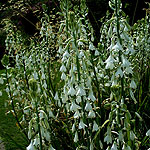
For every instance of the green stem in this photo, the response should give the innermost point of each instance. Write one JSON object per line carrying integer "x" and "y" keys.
{"x": 120, "y": 41}
{"x": 38, "y": 122}
{"x": 13, "y": 107}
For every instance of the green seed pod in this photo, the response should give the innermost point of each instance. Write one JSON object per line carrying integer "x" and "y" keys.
{"x": 33, "y": 85}
{"x": 5, "y": 60}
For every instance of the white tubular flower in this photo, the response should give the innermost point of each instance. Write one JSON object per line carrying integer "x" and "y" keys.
{"x": 117, "y": 47}
{"x": 63, "y": 68}
{"x": 73, "y": 127}
{"x": 91, "y": 96}
{"x": 63, "y": 76}
{"x": 78, "y": 100}
{"x": 114, "y": 146}
{"x": 96, "y": 53}
{"x": 76, "y": 137}
{"x": 56, "y": 96}
{"x": 66, "y": 54}
{"x": 77, "y": 114}
{"x": 128, "y": 70}
{"x": 110, "y": 62}
{"x": 31, "y": 146}
{"x": 125, "y": 62}
{"x": 133, "y": 84}
{"x": 88, "y": 106}
{"x": 91, "y": 114}
{"x": 91, "y": 46}
{"x": 119, "y": 72}
{"x": 74, "y": 107}
{"x": 81, "y": 92}
{"x": 71, "y": 91}
{"x": 95, "y": 126}
{"x": 82, "y": 125}
{"x": 36, "y": 141}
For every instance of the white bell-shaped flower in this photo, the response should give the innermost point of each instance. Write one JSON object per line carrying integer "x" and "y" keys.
{"x": 31, "y": 146}
{"x": 76, "y": 137}
{"x": 56, "y": 96}
{"x": 63, "y": 76}
{"x": 74, "y": 107}
{"x": 73, "y": 127}
{"x": 66, "y": 54}
{"x": 81, "y": 91}
{"x": 91, "y": 96}
{"x": 71, "y": 91}
{"x": 82, "y": 125}
{"x": 95, "y": 127}
{"x": 77, "y": 114}
{"x": 63, "y": 68}
{"x": 125, "y": 62}
{"x": 133, "y": 84}
{"x": 78, "y": 99}
{"x": 88, "y": 106}
{"x": 91, "y": 114}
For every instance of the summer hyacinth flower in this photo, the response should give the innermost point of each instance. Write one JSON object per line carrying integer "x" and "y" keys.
{"x": 74, "y": 107}
{"x": 76, "y": 137}
{"x": 71, "y": 91}
{"x": 82, "y": 125}
{"x": 88, "y": 106}
{"x": 31, "y": 146}
{"x": 77, "y": 114}
{"x": 110, "y": 62}
{"x": 95, "y": 126}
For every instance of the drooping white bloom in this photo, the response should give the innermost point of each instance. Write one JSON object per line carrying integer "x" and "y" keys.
{"x": 0, "y": 93}
{"x": 110, "y": 62}
{"x": 91, "y": 114}
{"x": 77, "y": 114}
{"x": 91, "y": 96}
{"x": 74, "y": 106}
{"x": 63, "y": 68}
{"x": 63, "y": 76}
{"x": 71, "y": 91}
{"x": 91, "y": 46}
{"x": 36, "y": 141}
{"x": 78, "y": 99}
{"x": 117, "y": 47}
{"x": 66, "y": 54}
{"x": 125, "y": 62}
{"x": 82, "y": 125}
{"x": 119, "y": 72}
{"x": 76, "y": 137}
{"x": 133, "y": 84}
{"x": 31, "y": 146}
{"x": 56, "y": 96}
{"x": 88, "y": 106}
{"x": 1, "y": 81}
{"x": 96, "y": 53}
{"x": 114, "y": 146}
{"x": 95, "y": 126}
{"x": 128, "y": 70}
{"x": 132, "y": 135}
{"x": 148, "y": 133}
{"x": 81, "y": 91}
{"x": 73, "y": 127}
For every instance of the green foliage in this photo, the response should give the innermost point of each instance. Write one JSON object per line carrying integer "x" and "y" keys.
{"x": 91, "y": 95}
